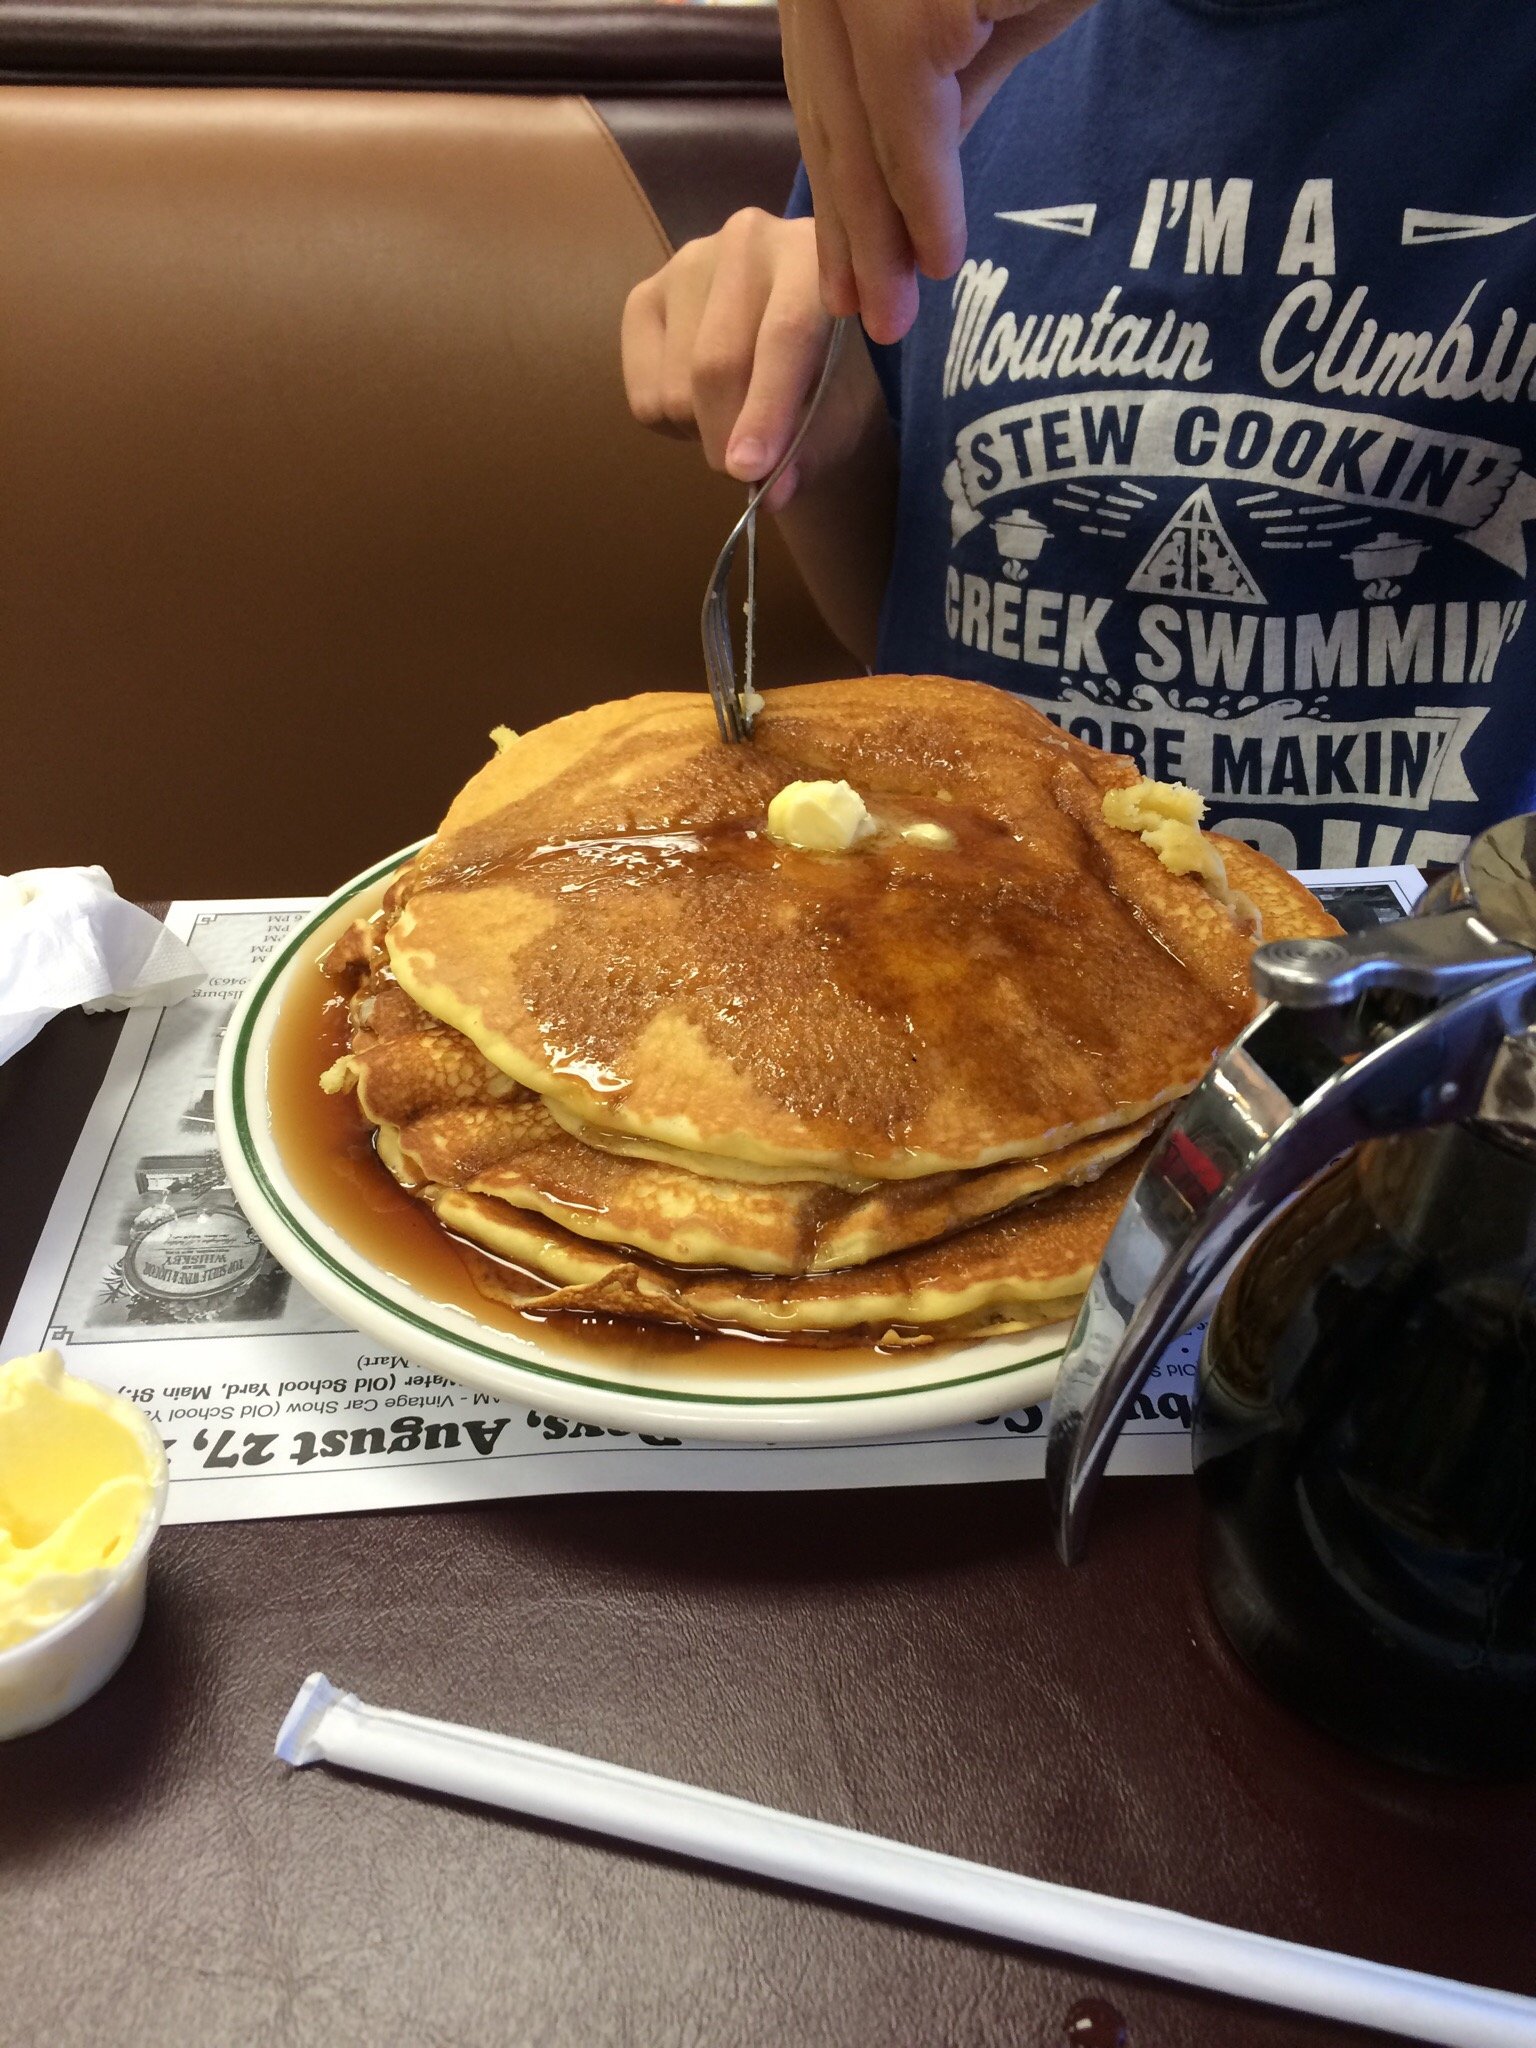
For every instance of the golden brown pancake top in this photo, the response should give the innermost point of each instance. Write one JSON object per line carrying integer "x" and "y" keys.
{"x": 604, "y": 915}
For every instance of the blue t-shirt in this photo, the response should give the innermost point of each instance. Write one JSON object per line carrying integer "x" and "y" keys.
{"x": 1221, "y": 447}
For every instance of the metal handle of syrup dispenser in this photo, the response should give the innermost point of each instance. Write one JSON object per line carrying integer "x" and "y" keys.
{"x": 1421, "y": 956}
{"x": 1311, "y": 1076}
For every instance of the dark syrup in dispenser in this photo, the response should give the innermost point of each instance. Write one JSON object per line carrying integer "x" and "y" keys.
{"x": 1366, "y": 1452}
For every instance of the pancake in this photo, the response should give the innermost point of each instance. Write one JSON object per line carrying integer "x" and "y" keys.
{"x": 643, "y": 1059}
{"x": 626, "y": 1146}
{"x": 454, "y": 1121}
{"x": 1284, "y": 908}
{"x": 799, "y": 1227}
{"x": 604, "y": 917}
{"x": 1013, "y": 1272}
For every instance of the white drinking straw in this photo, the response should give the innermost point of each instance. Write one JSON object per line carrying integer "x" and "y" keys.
{"x": 326, "y": 1726}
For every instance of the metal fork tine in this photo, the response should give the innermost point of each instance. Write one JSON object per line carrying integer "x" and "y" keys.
{"x": 731, "y": 714}
{"x": 717, "y": 664}
{"x": 749, "y": 649}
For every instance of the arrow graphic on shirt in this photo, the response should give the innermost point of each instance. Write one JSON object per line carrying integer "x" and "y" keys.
{"x": 1076, "y": 219}
{"x": 1421, "y": 227}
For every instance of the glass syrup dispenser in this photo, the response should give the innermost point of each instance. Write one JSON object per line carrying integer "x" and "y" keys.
{"x": 1365, "y": 1433}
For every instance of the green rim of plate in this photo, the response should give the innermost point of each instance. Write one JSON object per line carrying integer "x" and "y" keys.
{"x": 254, "y": 1006}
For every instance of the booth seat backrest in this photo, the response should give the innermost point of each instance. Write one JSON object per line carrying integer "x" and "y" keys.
{"x": 315, "y": 465}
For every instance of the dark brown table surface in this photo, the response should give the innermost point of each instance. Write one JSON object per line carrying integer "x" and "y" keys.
{"x": 915, "y": 1663}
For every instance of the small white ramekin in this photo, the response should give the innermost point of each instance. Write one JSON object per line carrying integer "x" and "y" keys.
{"x": 47, "y": 1676}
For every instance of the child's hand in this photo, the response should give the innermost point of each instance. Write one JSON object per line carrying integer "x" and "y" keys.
{"x": 726, "y": 342}
{"x": 884, "y": 91}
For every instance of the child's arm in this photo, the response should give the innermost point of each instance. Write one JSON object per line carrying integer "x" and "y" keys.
{"x": 726, "y": 342}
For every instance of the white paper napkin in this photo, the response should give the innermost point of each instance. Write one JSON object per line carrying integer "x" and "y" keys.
{"x": 67, "y": 937}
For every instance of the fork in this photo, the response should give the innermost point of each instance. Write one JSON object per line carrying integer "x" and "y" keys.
{"x": 735, "y": 705}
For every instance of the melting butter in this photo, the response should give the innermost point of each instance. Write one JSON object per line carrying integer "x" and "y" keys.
{"x": 1167, "y": 815}
{"x": 77, "y": 1476}
{"x": 819, "y": 817}
{"x": 925, "y": 834}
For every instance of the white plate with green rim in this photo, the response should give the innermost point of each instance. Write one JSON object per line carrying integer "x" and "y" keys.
{"x": 791, "y": 1396}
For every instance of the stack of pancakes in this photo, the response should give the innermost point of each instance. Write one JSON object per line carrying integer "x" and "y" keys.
{"x": 641, "y": 1059}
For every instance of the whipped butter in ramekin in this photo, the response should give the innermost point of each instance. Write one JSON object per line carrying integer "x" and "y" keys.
{"x": 82, "y": 1489}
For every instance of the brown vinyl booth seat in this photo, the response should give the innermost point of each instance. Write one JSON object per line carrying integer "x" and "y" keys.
{"x": 316, "y": 465}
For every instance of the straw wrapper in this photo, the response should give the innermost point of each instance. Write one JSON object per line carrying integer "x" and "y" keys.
{"x": 326, "y": 1726}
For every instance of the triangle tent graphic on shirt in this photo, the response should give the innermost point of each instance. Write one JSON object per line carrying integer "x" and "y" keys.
{"x": 1420, "y": 227}
{"x": 1194, "y": 557}
{"x": 1075, "y": 219}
